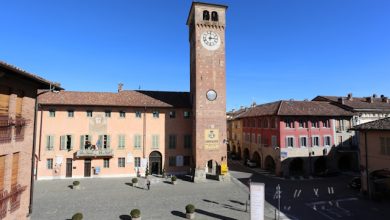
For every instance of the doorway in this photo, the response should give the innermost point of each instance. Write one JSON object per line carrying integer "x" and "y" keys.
{"x": 87, "y": 167}
{"x": 155, "y": 161}
{"x": 68, "y": 167}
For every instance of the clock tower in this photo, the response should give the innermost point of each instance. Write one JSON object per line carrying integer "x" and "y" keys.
{"x": 206, "y": 24}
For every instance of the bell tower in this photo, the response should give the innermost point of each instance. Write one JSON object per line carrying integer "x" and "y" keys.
{"x": 206, "y": 24}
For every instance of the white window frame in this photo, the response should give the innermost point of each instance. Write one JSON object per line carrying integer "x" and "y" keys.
{"x": 312, "y": 141}
{"x": 274, "y": 141}
{"x": 330, "y": 140}
{"x": 300, "y": 141}
{"x": 287, "y": 142}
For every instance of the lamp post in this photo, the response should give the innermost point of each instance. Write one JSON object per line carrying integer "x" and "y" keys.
{"x": 51, "y": 89}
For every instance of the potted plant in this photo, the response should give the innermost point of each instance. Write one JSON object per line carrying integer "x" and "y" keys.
{"x": 173, "y": 179}
{"x": 134, "y": 181}
{"x": 146, "y": 171}
{"x": 77, "y": 216}
{"x": 163, "y": 173}
{"x": 190, "y": 211}
{"x": 76, "y": 184}
{"x": 135, "y": 214}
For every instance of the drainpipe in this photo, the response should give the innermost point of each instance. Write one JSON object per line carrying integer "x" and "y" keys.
{"x": 30, "y": 208}
{"x": 367, "y": 174}
{"x": 144, "y": 134}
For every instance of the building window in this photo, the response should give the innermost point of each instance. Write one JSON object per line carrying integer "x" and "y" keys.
{"x": 52, "y": 113}
{"x": 259, "y": 139}
{"x": 325, "y": 124}
{"x": 137, "y": 141}
{"x": 385, "y": 146}
{"x": 89, "y": 113}
{"x": 121, "y": 162}
{"x": 290, "y": 141}
{"x": 314, "y": 124}
{"x": 289, "y": 123}
{"x": 85, "y": 141}
{"x": 155, "y": 141}
{"x": 49, "y": 164}
{"x": 265, "y": 123}
{"x": 121, "y": 141}
{"x": 66, "y": 142}
{"x": 107, "y": 114}
{"x": 340, "y": 125}
{"x": 186, "y": 160}
{"x": 302, "y": 124}
{"x": 106, "y": 163}
{"x": 172, "y": 161}
{"x": 206, "y": 15}
{"x": 273, "y": 123}
{"x": 214, "y": 16}
{"x": 122, "y": 114}
{"x": 303, "y": 141}
{"x": 138, "y": 114}
{"x": 156, "y": 114}
{"x": 70, "y": 113}
{"x": 316, "y": 141}
{"x": 259, "y": 124}
{"x": 187, "y": 114}
{"x": 104, "y": 141}
{"x": 172, "y": 114}
{"x": 253, "y": 138}
{"x": 274, "y": 142}
{"x": 49, "y": 142}
{"x": 327, "y": 141}
{"x": 172, "y": 141}
{"x": 137, "y": 161}
{"x": 187, "y": 141}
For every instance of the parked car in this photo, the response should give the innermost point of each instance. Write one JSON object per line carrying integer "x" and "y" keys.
{"x": 251, "y": 163}
{"x": 355, "y": 183}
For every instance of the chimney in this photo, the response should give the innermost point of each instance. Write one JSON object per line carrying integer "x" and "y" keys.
{"x": 370, "y": 99}
{"x": 253, "y": 104}
{"x": 341, "y": 100}
{"x": 349, "y": 96}
{"x": 382, "y": 96}
{"x": 120, "y": 86}
{"x": 374, "y": 95}
{"x": 385, "y": 99}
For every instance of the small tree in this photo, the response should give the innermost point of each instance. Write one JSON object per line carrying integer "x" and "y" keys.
{"x": 135, "y": 213}
{"x": 147, "y": 171}
{"x": 77, "y": 216}
{"x": 173, "y": 178}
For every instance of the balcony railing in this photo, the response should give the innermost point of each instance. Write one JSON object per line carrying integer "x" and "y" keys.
{"x": 104, "y": 152}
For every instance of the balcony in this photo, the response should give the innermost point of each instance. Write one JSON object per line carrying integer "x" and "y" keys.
{"x": 104, "y": 152}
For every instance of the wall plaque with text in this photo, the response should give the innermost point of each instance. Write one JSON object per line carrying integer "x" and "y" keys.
{"x": 211, "y": 139}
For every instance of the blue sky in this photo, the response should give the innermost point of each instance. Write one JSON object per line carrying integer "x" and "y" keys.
{"x": 275, "y": 49}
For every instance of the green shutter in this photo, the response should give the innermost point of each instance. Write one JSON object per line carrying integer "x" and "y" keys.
{"x": 108, "y": 141}
{"x": 62, "y": 142}
{"x": 51, "y": 142}
{"x": 47, "y": 142}
{"x": 71, "y": 142}
{"x": 82, "y": 142}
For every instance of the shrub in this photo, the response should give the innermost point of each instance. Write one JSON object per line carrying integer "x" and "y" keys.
{"x": 190, "y": 208}
{"x": 77, "y": 216}
{"x": 135, "y": 213}
{"x": 76, "y": 183}
{"x": 173, "y": 178}
{"x": 134, "y": 180}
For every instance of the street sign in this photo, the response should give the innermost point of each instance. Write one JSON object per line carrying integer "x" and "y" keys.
{"x": 257, "y": 200}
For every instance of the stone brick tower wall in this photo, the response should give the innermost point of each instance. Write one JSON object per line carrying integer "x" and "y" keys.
{"x": 207, "y": 69}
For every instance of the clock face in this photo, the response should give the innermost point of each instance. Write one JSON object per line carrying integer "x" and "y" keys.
{"x": 210, "y": 40}
{"x": 211, "y": 95}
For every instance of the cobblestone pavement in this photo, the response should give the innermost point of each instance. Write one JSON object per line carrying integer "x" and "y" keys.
{"x": 113, "y": 198}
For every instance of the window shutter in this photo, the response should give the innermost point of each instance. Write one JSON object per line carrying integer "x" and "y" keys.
{"x": 100, "y": 141}
{"x": 15, "y": 170}
{"x": 124, "y": 140}
{"x": 2, "y": 171}
{"x": 19, "y": 102}
{"x": 47, "y": 142}
{"x": 119, "y": 141}
{"x": 82, "y": 142}
{"x": 4, "y": 100}
{"x": 71, "y": 141}
{"x": 51, "y": 142}
{"x": 286, "y": 140}
{"x": 108, "y": 141}
{"x": 62, "y": 142}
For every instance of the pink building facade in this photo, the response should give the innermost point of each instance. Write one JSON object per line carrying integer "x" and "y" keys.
{"x": 293, "y": 137}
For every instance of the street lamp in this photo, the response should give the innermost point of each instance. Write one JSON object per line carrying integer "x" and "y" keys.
{"x": 51, "y": 89}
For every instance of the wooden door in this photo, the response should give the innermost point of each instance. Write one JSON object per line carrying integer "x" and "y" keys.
{"x": 68, "y": 167}
{"x": 87, "y": 167}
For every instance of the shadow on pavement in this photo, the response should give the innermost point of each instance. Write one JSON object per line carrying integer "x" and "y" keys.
{"x": 206, "y": 200}
{"x": 210, "y": 214}
{"x": 179, "y": 214}
{"x": 237, "y": 202}
{"x": 124, "y": 217}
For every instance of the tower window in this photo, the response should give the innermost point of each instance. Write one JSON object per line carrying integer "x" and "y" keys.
{"x": 214, "y": 16}
{"x": 206, "y": 15}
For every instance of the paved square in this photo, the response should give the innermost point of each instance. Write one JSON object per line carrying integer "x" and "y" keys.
{"x": 113, "y": 198}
